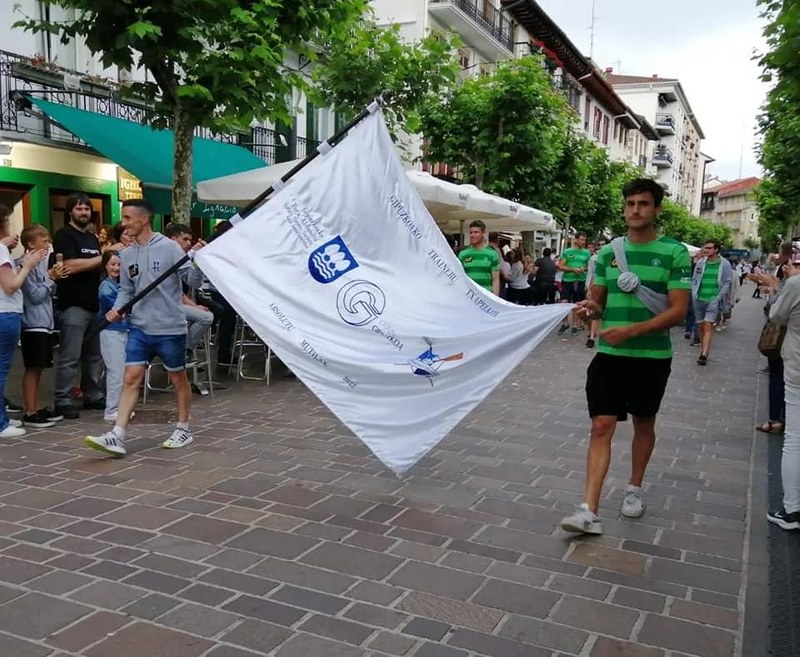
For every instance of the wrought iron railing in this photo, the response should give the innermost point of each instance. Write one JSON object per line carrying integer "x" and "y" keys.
{"x": 488, "y": 17}
{"x": 306, "y": 146}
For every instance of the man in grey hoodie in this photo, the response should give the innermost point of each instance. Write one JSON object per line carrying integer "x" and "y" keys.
{"x": 711, "y": 288}
{"x": 157, "y": 323}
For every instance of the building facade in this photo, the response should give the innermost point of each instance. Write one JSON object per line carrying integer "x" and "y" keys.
{"x": 732, "y": 204}
{"x": 676, "y": 156}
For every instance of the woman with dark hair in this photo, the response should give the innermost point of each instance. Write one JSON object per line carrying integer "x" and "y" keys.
{"x": 11, "y": 280}
{"x": 105, "y": 235}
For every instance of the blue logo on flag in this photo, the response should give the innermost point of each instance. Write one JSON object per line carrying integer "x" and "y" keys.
{"x": 330, "y": 261}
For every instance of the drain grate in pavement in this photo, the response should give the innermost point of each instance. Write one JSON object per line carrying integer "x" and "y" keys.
{"x": 784, "y": 571}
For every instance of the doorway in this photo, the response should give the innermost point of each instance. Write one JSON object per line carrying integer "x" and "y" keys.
{"x": 18, "y": 200}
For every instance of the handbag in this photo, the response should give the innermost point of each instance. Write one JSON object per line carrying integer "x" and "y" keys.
{"x": 771, "y": 339}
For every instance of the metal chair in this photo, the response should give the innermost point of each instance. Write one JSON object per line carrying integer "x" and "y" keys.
{"x": 247, "y": 344}
{"x": 204, "y": 385}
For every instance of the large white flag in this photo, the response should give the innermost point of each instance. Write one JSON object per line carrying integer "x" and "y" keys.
{"x": 346, "y": 276}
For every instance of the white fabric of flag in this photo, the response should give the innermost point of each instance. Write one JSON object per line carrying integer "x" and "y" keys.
{"x": 346, "y": 276}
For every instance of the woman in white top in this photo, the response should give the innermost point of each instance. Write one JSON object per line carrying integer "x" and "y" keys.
{"x": 11, "y": 279}
{"x": 786, "y": 310}
{"x": 518, "y": 287}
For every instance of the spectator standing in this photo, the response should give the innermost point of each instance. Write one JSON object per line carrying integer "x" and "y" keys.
{"x": 545, "y": 269}
{"x": 37, "y": 326}
{"x": 711, "y": 287}
{"x": 113, "y": 337}
{"x": 573, "y": 263}
{"x": 157, "y": 324}
{"x": 79, "y": 339}
{"x": 480, "y": 261}
{"x": 518, "y": 287}
{"x": 12, "y": 278}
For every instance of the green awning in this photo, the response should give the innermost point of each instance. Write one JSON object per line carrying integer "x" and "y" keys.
{"x": 144, "y": 152}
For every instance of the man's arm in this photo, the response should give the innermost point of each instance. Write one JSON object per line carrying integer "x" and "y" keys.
{"x": 674, "y": 315}
{"x": 66, "y": 246}
{"x": 496, "y": 282}
{"x": 79, "y": 265}
{"x": 725, "y": 288}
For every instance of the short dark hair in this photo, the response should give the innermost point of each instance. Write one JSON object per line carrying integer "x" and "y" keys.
{"x": 580, "y": 233}
{"x": 142, "y": 204}
{"x": 477, "y": 223}
{"x": 175, "y": 229}
{"x": 79, "y": 198}
{"x": 644, "y": 186}
{"x": 4, "y": 214}
{"x": 29, "y": 233}
{"x": 116, "y": 231}
{"x": 715, "y": 243}
{"x": 546, "y": 253}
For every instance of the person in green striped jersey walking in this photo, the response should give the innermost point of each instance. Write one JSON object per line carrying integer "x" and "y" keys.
{"x": 573, "y": 263}
{"x": 480, "y": 261}
{"x": 630, "y": 372}
{"x": 711, "y": 290}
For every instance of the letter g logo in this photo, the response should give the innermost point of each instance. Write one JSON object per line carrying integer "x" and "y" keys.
{"x": 360, "y": 302}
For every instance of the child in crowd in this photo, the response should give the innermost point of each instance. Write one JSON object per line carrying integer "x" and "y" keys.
{"x": 37, "y": 326}
{"x": 114, "y": 337}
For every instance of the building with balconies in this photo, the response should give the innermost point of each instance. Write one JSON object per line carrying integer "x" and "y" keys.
{"x": 600, "y": 113}
{"x": 732, "y": 204}
{"x": 680, "y": 166}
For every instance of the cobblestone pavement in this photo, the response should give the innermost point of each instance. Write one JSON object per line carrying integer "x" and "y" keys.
{"x": 277, "y": 533}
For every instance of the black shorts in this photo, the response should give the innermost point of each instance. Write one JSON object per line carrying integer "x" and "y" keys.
{"x": 37, "y": 350}
{"x": 573, "y": 291}
{"x": 618, "y": 385}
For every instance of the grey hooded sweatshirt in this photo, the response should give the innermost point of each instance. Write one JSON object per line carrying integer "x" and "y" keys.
{"x": 161, "y": 311}
{"x": 37, "y": 295}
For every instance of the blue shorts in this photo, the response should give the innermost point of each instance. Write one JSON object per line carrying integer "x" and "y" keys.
{"x": 142, "y": 348}
{"x": 707, "y": 311}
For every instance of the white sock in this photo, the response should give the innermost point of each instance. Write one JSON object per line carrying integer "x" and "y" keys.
{"x": 183, "y": 426}
{"x": 119, "y": 432}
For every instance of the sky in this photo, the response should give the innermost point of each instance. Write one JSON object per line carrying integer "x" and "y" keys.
{"x": 707, "y": 44}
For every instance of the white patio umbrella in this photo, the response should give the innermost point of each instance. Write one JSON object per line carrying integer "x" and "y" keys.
{"x": 449, "y": 204}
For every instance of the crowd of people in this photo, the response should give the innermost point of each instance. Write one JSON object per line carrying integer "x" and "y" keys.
{"x": 75, "y": 288}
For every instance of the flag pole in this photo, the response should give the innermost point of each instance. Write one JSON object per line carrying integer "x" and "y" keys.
{"x": 251, "y": 207}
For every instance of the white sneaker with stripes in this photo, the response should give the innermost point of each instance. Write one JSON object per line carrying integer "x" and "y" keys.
{"x": 179, "y": 438}
{"x": 109, "y": 443}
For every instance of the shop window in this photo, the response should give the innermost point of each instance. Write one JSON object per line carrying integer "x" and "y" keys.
{"x": 606, "y": 128}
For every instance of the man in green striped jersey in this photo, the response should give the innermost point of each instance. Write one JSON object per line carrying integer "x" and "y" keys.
{"x": 573, "y": 263}
{"x": 480, "y": 261}
{"x": 629, "y": 374}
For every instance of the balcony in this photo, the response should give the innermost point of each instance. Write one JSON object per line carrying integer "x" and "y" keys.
{"x": 665, "y": 123}
{"x": 480, "y": 25}
{"x": 662, "y": 157}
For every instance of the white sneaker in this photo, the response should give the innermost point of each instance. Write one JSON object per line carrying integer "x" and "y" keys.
{"x": 583, "y": 521}
{"x": 14, "y": 423}
{"x": 12, "y": 431}
{"x": 109, "y": 443}
{"x": 112, "y": 417}
{"x": 632, "y": 505}
{"x": 179, "y": 438}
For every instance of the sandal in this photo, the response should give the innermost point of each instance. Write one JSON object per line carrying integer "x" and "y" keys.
{"x": 770, "y": 427}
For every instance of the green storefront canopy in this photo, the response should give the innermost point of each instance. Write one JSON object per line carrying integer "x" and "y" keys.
{"x": 144, "y": 152}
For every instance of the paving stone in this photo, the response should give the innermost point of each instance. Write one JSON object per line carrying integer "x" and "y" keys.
{"x": 306, "y": 599}
{"x": 437, "y": 580}
{"x": 521, "y": 542}
{"x": 36, "y": 616}
{"x": 605, "y": 647}
{"x": 125, "y": 536}
{"x": 337, "y": 629}
{"x": 438, "y": 650}
{"x": 373, "y": 615}
{"x": 639, "y": 600}
{"x": 207, "y": 595}
{"x": 469, "y": 562}
{"x": 696, "y": 576}
{"x": 426, "y": 629}
{"x": 238, "y": 582}
{"x": 595, "y": 616}
{"x": 15, "y": 571}
{"x": 144, "y": 639}
{"x": 543, "y": 633}
{"x": 485, "y": 551}
{"x": 34, "y": 498}
{"x": 86, "y": 507}
{"x": 305, "y": 645}
{"x": 234, "y": 559}
{"x": 301, "y": 575}
{"x": 353, "y": 561}
{"x": 393, "y": 644}
{"x": 688, "y": 637}
{"x": 516, "y": 598}
{"x": 40, "y": 536}
{"x": 149, "y": 579}
{"x": 382, "y": 513}
{"x": 493, "y": 646}
{"x": 436, "y": 524}
{"x": 109, "y": 570}
{"x": 578, "y": 586}
{"x": 589, "y": 554}
{"x": 453, "y": 612}
{"x": 705, "y": 614}
{"x": 380, "y": 594}
{"x": 7, "y": 593}
{"x": 88, "y": 630}
{"x": 273, "y": 544}
{"x": 150, "y": 606}
{"x": 196, "y": 619}
{"x": 182, "y": 548}
{"x": 13, "y": 647}
{"x": 230, "y": 651}
{"x": 59, "y": 582}
{"x": 208, "y": 530}
{"x": 120, "y": 553}
{"x": 266, "y": 610}
{"x": 169, "y": 565}
{"x": 258, "y": 636}
{"x": 109, "y": 595}
{"x": 141, "y": 516}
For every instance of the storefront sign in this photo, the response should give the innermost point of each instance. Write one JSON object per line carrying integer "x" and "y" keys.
{"x": 128, "y": 186}
{"x": 212, "y": 210}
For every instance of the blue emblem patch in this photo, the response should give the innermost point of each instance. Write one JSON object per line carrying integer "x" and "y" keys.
{"x": 328, "y": 262}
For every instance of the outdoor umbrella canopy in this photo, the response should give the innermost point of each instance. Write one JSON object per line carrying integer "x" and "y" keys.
{"x": 448, "y": 203}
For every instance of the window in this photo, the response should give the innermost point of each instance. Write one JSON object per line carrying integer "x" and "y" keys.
{"x": 463, "y": 59}
{"x": 588, "y": 115}
{"x": 312, "y": 121}
{"x": 606, "y": 129}
{"x": 598, "y": 121}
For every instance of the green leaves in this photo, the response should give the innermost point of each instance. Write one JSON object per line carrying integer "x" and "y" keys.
{"x": 144, "y": 30}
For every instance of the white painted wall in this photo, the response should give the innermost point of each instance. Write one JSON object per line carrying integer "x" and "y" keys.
{"x": 56, "y": 160}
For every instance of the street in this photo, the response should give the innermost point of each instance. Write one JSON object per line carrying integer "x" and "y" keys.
{"x": 278, "y": 533}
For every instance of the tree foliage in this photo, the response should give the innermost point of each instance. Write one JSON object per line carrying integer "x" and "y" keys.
{"x": 678, "y": 223}
{"x": 358, "y": 65}
{"x": 778, "y": 197}
{"x": 214, "y": 63}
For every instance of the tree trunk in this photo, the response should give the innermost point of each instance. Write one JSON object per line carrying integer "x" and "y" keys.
{"x": 529, "y": 242}
{"x": 182, "y": 167}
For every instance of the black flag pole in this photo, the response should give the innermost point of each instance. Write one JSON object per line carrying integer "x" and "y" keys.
{"x": 261, "y": 198}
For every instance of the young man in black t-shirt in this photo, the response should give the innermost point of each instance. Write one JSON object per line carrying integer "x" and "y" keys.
{"x": 79, "y": 340}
